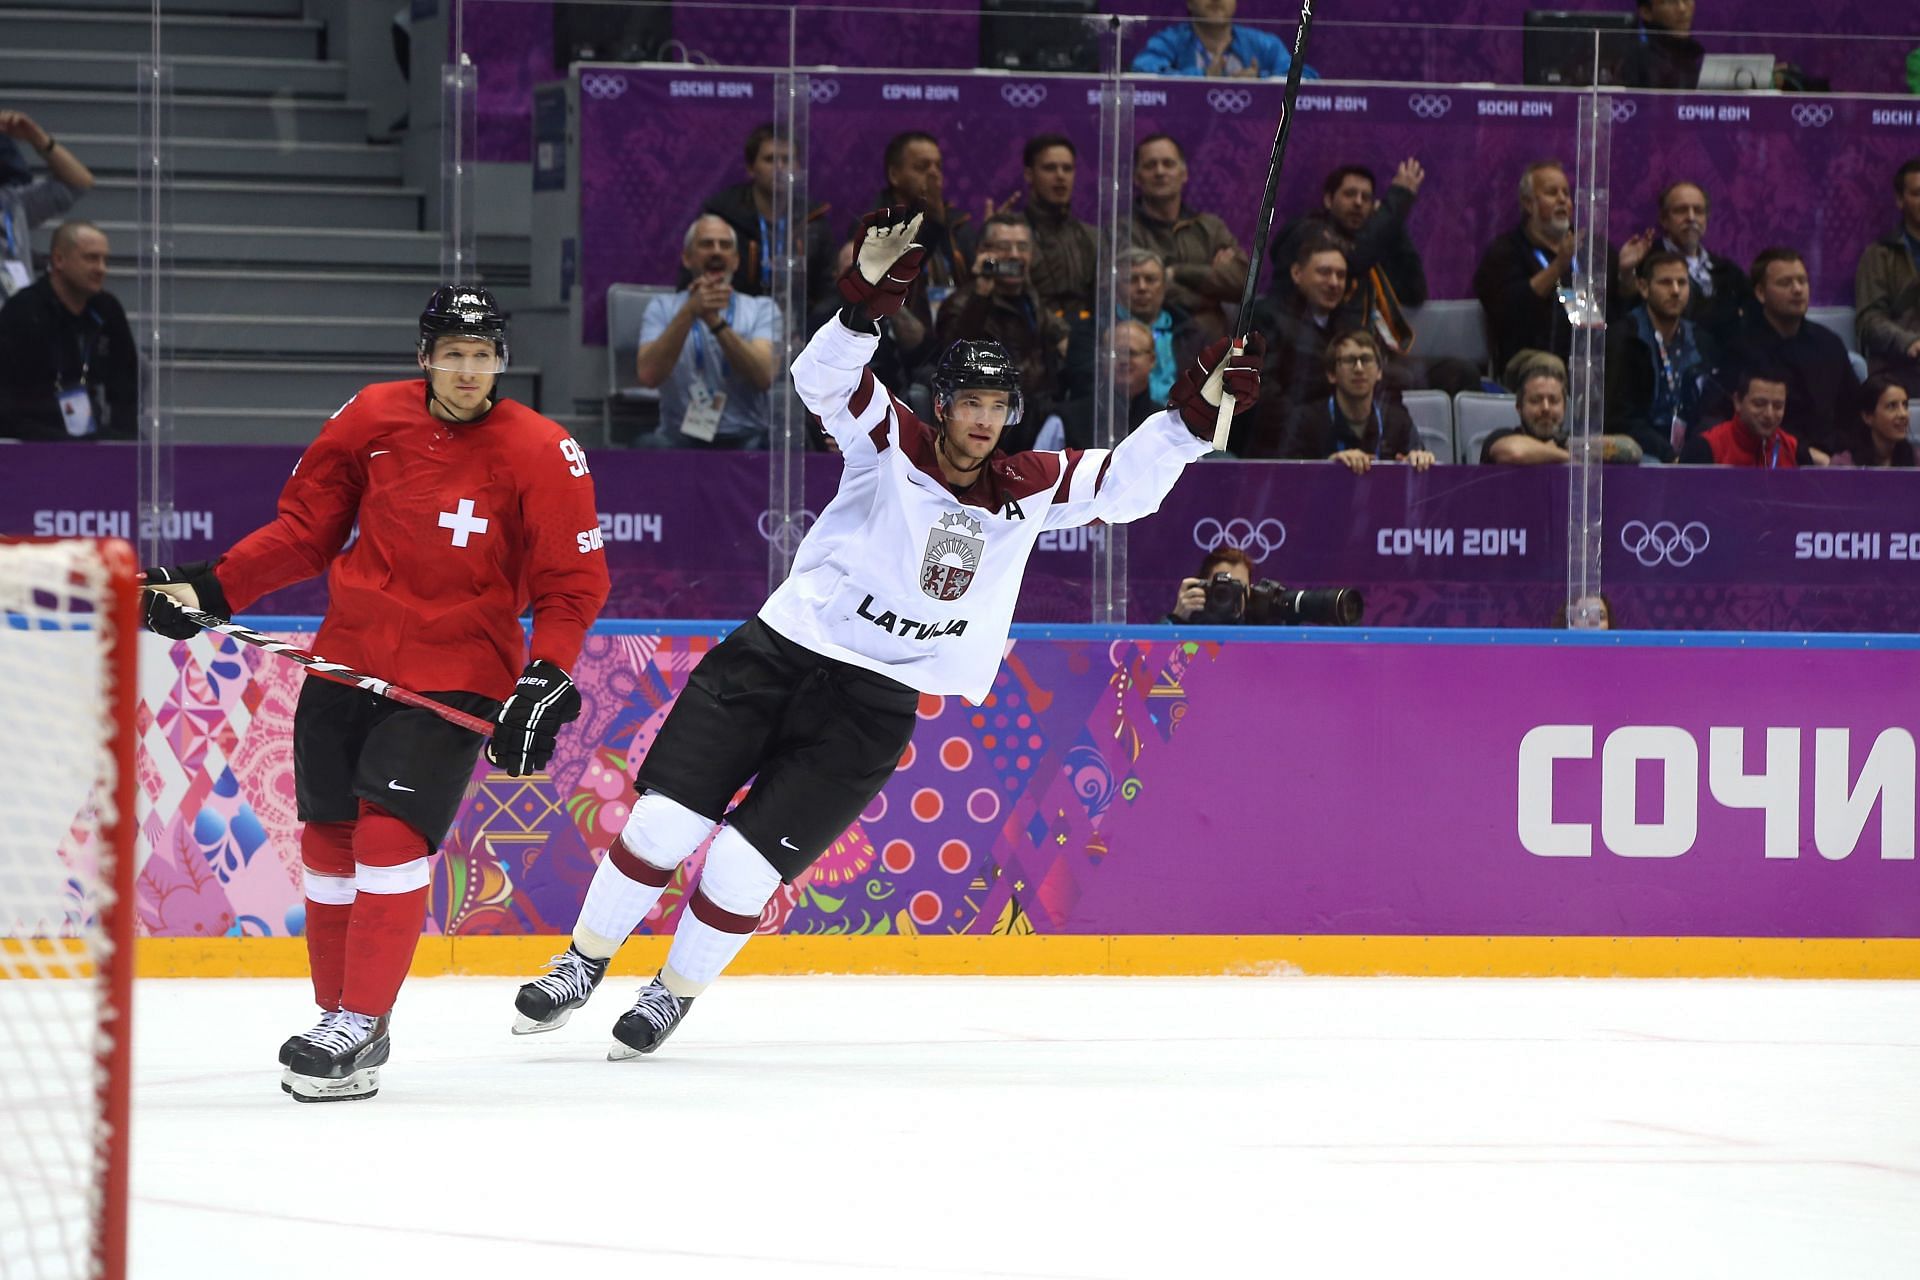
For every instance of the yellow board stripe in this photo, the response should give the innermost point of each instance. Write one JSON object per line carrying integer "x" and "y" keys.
{"x": 1129, "y": 955}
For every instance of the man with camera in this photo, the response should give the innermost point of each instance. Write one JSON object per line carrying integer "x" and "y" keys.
{"x": 1225, "y": 594}
{"x": 1000, "y": 305}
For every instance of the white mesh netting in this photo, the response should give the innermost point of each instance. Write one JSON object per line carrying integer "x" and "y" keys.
{"x": 56, "y": 877}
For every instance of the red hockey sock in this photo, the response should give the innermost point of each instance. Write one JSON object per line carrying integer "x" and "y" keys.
{"x": 393, "y": 872}
{"x": 326, "y": 856}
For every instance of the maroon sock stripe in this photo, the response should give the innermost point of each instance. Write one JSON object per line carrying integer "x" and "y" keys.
{"x": 634, "y": 867}
{"x": 718, "y": 918}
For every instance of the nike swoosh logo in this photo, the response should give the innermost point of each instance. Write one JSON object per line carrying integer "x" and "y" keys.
{"x": 376, "y": 453}
{"x": 788, "y": 844}
{"x": 395, "y": 786}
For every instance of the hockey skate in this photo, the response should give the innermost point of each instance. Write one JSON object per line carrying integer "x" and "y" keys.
{"x": 296, "y": 1043}
{"x": 341, "y": 1063}
{"x": 548, "y": 1001}
{"x": 646, "y": 1026}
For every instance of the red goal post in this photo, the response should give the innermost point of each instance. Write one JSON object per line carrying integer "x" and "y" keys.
{"x": 69, "y": 631}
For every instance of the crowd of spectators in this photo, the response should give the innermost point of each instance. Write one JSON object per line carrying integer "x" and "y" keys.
{"x": 1686, "y": 326}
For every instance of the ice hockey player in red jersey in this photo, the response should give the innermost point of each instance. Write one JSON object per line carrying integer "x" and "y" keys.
{"x": 469, "y": 509}
{"x": 905, "y": 585}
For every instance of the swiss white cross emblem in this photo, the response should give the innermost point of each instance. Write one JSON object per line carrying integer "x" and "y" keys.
{"x": 463, "y": 522}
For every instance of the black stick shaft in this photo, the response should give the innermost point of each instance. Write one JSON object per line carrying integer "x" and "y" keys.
{"x": 1259, "y": 247}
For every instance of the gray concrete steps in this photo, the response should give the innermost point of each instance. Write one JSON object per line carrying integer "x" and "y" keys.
{"x": 283, "y": 119}
{"x": 205, "y": 291}
{"x": 315, "y": 388}
{"x": 53, "y": 26}
{"x": 311, "y": 337}
{"x": 277, "y": 248}
{"x": 116, "y": 72}
{"x": 225, "y": 158}
{"x": 219, "y": 8}
{"x": 198, "y": 202}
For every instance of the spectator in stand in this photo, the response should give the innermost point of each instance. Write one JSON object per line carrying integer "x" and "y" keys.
{"x": 68, "y": 366}
{"x": 1190, "y": 603}
{"x": 1520, "y": 272}
{"x": 1754, "y": 436}
{"x": 1541, "y": 437}
{"x": 1657, "y": 363}
{"x": 1206, "y": 266}
{"x": 1175, "y": 339}
{"x": 1880, "y": 439}
{"x": 1664, "y": 54}
{"x": 27, "y": 201}
{"x": 709, "y": 349}
{"x": 1386, "y": 266}
{"x": 1820, "y": 381}
{"x": 1133, "y": 371}
{"x": 1208, "y": 44}
{"x": 1355, "y": 427}
{"x": 757, "y": 225}
{"x": 1000, "y": 304}
{"x": 916, "y": 173}
{"x": 1298, "y": 329}
{"x": 1886, "y": 287}
{"x": 1720, "y": 291}
{"x": 1063, "y": 245}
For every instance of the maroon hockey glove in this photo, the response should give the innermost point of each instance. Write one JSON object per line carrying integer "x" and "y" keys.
{"x": 885, "y": 261}
{"x": 1196, "y": 396}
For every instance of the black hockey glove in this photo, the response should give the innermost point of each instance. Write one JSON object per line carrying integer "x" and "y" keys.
{"x": 160, "y": 610}
{"x": 543, "y": 701}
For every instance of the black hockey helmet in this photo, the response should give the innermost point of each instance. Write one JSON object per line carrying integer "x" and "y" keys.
{"x": 463, "y": 311}
{"x": 977, "y": 364}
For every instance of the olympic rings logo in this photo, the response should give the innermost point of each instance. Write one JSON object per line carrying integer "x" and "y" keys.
{"x": 1664, "y": 541}
{"x": 603, "y": 87}
{"x": 1622, "y": 109}
{"x": 1229, "y": 101}
{"x": 1812, "y": 115}
{"x": 802, "y": 521}
{"x": 823, "y": 90}
{"x": 1429, "y": 106}
{"x": 1023, "y": 95}
{"x": 1258, "y": 539}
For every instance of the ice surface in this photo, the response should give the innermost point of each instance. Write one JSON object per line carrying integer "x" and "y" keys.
{"x": 847, "y": 1127}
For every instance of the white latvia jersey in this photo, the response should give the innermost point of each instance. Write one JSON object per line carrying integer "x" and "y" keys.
{"x": 905, "y": 578}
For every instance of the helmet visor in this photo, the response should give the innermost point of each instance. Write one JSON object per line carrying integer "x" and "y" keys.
{"x": 469, "y": 356}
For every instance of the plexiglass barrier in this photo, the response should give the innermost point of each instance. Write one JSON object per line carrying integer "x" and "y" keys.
{"x": 277, "y": 220}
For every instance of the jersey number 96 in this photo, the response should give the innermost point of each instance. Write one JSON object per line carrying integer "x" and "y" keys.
{"x": 576, "y": 457}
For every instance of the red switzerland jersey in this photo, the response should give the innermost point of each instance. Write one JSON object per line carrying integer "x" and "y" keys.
{"x": 461, "y": 528}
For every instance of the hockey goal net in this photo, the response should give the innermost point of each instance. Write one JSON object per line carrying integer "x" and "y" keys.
{"x": 68, "y": 622}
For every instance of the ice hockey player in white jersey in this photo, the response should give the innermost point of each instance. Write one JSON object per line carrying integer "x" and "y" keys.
{"x": 905, "y": 585}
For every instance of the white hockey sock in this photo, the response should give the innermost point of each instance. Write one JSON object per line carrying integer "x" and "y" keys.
{"x": 660, "y": 835}
{"x": 720, "y": 916}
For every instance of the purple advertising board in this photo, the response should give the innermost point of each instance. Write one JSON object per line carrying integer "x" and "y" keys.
{"x": 1393, "y": 41}
{"x": 1121, "y": 783}
{"x": 687, "y": 536}
{"x": 1808, "y": 172}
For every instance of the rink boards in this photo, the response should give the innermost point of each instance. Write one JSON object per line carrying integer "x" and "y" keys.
{"x": 1146, "y": 801}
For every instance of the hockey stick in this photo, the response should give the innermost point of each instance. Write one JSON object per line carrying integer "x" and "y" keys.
{"x": 335, "y": 672}
{"x": 1223, "y": 424}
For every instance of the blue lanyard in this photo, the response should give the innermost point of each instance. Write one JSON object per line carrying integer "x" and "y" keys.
{"x": 766, "y": 250}
{"x": 700, "y": 340}
{"x": 6, "y": 219}
{"x": 1540, "y": 256}
{"x": 1773, "y": 455}
{"x": 1379, "y": 426}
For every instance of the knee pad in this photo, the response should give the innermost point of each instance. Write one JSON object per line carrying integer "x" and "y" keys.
{"x": 326, "y": 860}
{"x": 737, "y": 879}
{"x": 663, "y": 833}
{"x": 389, "y": 855}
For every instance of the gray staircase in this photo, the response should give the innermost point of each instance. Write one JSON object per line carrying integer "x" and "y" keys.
{"x": 299, "y": 263}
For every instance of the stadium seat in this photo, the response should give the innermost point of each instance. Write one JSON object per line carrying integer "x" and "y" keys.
{"x": 1432, "y": 416}
{"x": 1840, "y": 321}
{"x": 1454, "y": 328}
{"x": 1913, "y": 422}
{"x": 626, "y": 304}
{"x": 1477, "y": 415}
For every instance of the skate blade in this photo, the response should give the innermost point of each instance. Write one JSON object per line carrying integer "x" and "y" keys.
{"x": 286, "y": 1079}
{"x": 361, "y": 1084}
{"x": 525, "y": 1026}
{"x": 622, "y": 1052}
